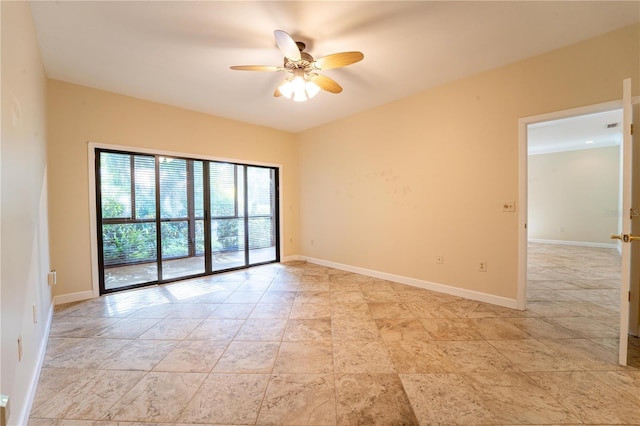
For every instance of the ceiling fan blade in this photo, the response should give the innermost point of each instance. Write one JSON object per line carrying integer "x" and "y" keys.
{"x": 337, "y": 60}
{"x": 287, "y": 45}
{"x": 276, "y": 92}
{"x": 256, "y": 68}
{"x": 325, "y": 83}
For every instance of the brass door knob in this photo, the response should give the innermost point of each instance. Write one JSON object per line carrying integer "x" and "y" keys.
{"x": 627, "y": 238}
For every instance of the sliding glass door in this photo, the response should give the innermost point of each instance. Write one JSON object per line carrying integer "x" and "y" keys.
{"x": 260, "y": 214}
{"x": 127, "y": 209}
{"x": 181, "y": 211}
{"x": 164, "y": 218}
{"x": 227, "y": 215}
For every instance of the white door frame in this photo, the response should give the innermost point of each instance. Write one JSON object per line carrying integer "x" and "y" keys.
{"x": 523, "y": 189}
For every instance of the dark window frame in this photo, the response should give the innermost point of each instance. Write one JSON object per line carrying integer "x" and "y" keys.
{"x": 191, "y": 218}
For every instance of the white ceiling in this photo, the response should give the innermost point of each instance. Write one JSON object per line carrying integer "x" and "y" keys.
{"x": 576, "y": 133}
{"x": 179, "y": 52}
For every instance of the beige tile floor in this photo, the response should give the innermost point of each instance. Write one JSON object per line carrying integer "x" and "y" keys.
{"x": 301, "y": 344}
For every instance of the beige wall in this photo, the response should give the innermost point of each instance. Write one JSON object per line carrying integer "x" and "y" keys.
{"x": 573, "y": 196}
{"x": 391, "y": 188}
{"x": 78, "y": 115}
{"x": 25, "y": 240}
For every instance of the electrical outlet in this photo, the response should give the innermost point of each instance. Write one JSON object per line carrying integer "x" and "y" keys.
{"x": 509, "y": 206}
{"x": 439, "y": 260}
{"x": 19, "y": 348}
{"x": 482, "y": 267}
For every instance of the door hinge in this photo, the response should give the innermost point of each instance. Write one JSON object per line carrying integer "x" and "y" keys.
{"x": 629, "y": 296}
{"x": 631, "y": 129}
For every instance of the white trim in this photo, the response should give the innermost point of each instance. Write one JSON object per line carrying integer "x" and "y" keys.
{"x": 427, "y": 285}
{"x": 23, "y": 416}
{"x": 523, "y": 154}
{"x": 95, "y": 292}
{"x": 574, "y": 243}
{"x": 627, "y": 183}
{"x": 73, "y": 297}
{"x": 523, "y": 202}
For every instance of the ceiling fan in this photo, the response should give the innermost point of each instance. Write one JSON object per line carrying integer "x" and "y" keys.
{"x": 304, "y": 82}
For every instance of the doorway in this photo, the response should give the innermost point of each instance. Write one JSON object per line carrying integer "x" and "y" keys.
{"x": 574, "y": 187}
{"x": 570, "y": 270}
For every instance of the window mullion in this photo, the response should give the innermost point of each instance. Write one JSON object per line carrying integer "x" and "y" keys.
{"x": 206, "y": 173}
{"x": 191, "y": 209}
{"x": 246, "y": 214}
{"x": 132, "y": 171}
{"x": 158, "y": 219}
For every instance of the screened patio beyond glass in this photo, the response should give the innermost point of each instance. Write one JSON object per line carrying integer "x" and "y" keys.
{"x": 165, "y": 218}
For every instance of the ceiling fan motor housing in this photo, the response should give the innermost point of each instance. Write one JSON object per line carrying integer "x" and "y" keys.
{"x": 305, "y": 61}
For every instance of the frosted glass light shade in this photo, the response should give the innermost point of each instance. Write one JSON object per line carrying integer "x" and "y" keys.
{"x": 298, "y": 88}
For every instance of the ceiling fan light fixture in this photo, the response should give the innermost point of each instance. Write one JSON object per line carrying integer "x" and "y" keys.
{"x": 298, "y": 88}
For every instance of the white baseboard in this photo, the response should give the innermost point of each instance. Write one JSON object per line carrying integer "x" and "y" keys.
{"x": 427, "y": 285}
{"x": 73, "y": 297}
{"x": 293, "y": 258}
{"x": 574, "y": 243}
{"x": 23, "y": 416}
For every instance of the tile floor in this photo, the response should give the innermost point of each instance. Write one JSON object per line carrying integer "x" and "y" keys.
{"x": 301, "y": 344}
